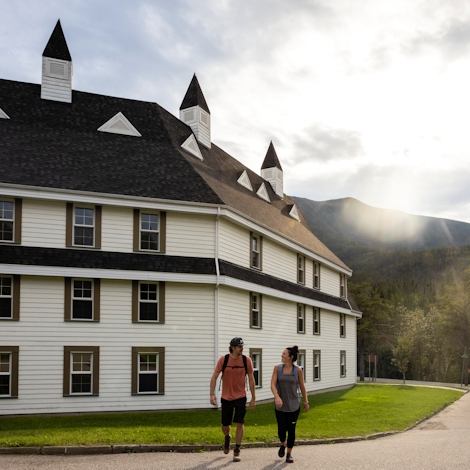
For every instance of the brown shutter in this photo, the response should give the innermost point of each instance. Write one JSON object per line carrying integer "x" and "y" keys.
{"x": 98, "y": 210}
{"x": 68, "y": 298}
{"x": 162, "y": 232}
{"x": 161, "y": 302}
{"x": 135, "y": 301}
{"x": 136, "y": 241}
{"x": 18, "y": 220}
{"x": 69, "y": 224}
{"x": 96, "y": 299}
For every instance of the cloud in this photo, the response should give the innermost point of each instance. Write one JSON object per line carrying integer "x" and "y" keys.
{"x": 323, "y": 143}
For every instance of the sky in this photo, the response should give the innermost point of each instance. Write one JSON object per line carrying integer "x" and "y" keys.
{"x": 363, "y": 99}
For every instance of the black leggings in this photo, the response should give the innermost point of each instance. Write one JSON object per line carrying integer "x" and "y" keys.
{"x": 286, "y": 421}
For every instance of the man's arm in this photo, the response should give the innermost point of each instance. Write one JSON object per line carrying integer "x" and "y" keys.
{"x": 251, "y": 381}
{"x": 213, "y": 398}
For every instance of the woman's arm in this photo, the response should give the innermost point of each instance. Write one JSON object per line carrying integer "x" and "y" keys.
{"x": 303, "y": 390}
{"x": 277, "y": 398}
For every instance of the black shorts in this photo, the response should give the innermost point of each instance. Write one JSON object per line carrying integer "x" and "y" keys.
{"x": 235, "y": 409}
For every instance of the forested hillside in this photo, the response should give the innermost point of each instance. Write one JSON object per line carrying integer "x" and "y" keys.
{"x": 411, "y": 280}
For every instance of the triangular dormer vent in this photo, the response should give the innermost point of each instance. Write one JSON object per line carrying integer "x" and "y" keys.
{"x": 119, "y": 124}
{"x": 294, "y": 213}
{"x": 263, "y": 193}
{"x": 191, "y": 146}
{"x": 244, "y": 180}
{"x": 3, "y": 114}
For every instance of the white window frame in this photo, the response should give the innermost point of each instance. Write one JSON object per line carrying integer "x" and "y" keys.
{"x": 342, "y": 325}
{"x": 342, "y": 285}
{"x": 316, "y": 321}
{"x": 8, "y": 372}
{"x": 76, "y": 225}
{"x": 156, "y": 231}
{"x": 256, "y": 358}
{"x": 342, "y": 363}
{"x": 81, "y": 372}
{"x": 149, "y": 301}
{"x": 301, "y": 362}
{"x": 301, "y": 269}
{"x": 83, "y": 299}
{"x": 7, "y": 296}
{"x": 155, "y": 372}
{"x": 316, "y": 365}
{"x": 3, "y": 219}
{"x": 301, "y": 318}
{"x": 255, "y": 300}
{"x": 316, "y": 275}
{"x": 255, "y": 251}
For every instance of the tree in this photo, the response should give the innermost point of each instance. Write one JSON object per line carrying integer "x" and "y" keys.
{"x": 373, "y": 327}
{"x": 402, "y": 354}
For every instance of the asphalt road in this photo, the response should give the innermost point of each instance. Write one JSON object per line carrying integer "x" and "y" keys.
{"x": 442, "y": 442}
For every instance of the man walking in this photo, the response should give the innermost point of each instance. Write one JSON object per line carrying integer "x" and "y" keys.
{"x": 234, "y": 367}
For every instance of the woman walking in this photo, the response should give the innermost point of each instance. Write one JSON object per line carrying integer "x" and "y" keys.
{"x": 286, "y": 382}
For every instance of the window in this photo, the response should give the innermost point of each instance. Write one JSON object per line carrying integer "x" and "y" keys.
{"x": 301, "y": 269}
{"x": 81, "y": 370}
{"x": 9, "y": 297}
{"x": 300, "y": 318}
{"x": 316, "y": 365}
{"x": 255, "y": 251}
{"x": 256, "y": 357}
{"x": 9, "y": 371}
{"x": 83, "y": 226}
{"x": 342, "y": 285}
{"x": 301, "y": 362}
{"x": 342, "y": 325}
{"x": 148, "y": 301}
{"x": 10, "y": 221}
{"x": 255, "y": 310}
{"x": 82, "y": 299}
{"x": 342, "y": 363}
{"x": 316, "y": 321}
{"x": 149, "y": 231}
{"x": 316, "y": 275}
{"x": 148, "y": 370}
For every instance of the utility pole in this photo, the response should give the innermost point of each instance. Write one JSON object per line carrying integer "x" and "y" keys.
{"x": 464, "y": 379}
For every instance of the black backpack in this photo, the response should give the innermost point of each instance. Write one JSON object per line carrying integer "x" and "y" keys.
{"x": 226, "y": 362}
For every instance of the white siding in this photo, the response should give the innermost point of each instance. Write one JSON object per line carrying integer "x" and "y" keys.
{"x": 329, "y": 280}
{"x": 117, "y": 230}
{"x": 189, "y": 328}
{"x": 234, "y": 243}
{"x": 190, "y": 235}
{"x": 280, "y": 331}
{"x": 279, "y": 261}
{"x": 43, "y": 223}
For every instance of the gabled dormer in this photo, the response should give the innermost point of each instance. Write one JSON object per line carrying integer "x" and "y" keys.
{"x": 56, "y": 83}
{"x": 195, "y": 113}
{"x": 271, "y": 170}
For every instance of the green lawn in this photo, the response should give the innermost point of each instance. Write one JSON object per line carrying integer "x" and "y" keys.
{"x": 364, "y": 409}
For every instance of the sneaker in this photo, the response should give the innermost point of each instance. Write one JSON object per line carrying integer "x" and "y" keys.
{"x": 289, "y": 458}
{"x": 282, "y": 451}
{"x": 227, "y": 440}
{"x": 236, "y": 455}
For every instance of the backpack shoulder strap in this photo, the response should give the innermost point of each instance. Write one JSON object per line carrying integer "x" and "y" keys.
{"x": 245, "y": 364}
{"x": 225, "y": 363}
{"x": 296, "y": 373}
{"x": 279, "y": 370}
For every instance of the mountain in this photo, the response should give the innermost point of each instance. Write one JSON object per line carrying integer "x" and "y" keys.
{"x": 351, "y": 220}
{"x": 393, "y": 249}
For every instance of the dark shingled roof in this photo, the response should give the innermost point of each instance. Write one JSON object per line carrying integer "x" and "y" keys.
{"x": 52, "y": 144}
{"x": 194, "y": 96}
{"x": 57, "y": 48}
{"x": 271, "y": 160}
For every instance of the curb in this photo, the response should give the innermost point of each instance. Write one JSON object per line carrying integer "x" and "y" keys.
{"x": 142, "y": 448}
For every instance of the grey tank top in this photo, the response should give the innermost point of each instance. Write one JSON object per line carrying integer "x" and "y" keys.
{"x": 287, "y": 389}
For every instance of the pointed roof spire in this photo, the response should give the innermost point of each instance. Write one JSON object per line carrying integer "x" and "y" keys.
{"x": 194, "y": 96}
{"x": 271, "y": 160}
{"x": 57, "y": 48}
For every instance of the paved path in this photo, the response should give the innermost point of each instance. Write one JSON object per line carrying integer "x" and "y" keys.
{"x": 440, "y": 443}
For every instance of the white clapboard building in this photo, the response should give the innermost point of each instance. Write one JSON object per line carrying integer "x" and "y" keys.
{"x": 132, "y": 249}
